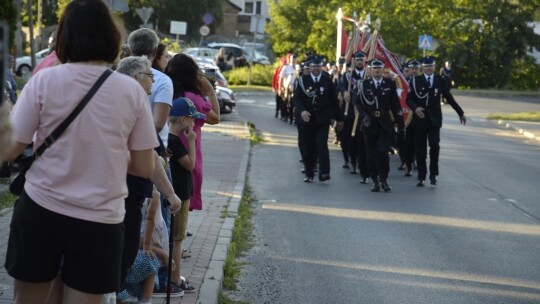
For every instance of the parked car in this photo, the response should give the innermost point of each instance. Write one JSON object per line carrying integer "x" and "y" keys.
{"x": 220, "y": 79}
{"x": 240, "y": 56}
{"x": 226, "y": 99}
{"x": 202, "y": 54}
{"x": 23, "y": 65}
{"x": 258, "y": 58}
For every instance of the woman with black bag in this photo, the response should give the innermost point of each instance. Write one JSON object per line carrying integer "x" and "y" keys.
{"x": 68, "y": 221}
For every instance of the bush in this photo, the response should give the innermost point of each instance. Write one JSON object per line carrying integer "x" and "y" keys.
{"x": 260, "y": 75}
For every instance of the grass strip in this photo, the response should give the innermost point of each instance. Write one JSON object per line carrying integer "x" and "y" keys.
{"x": 521, "y": 116}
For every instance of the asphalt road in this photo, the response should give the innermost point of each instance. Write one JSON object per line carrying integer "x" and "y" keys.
{"x": 473, "y": 238}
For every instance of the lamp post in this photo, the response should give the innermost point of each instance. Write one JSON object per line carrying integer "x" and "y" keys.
{"x": 339, "y": 15}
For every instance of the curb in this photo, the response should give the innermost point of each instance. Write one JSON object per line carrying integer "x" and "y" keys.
{"x": 253, "y": 93}
{"x": 496, "y": 94}
{"x": 213, "y": 279}
{"x": 521, "y": 131}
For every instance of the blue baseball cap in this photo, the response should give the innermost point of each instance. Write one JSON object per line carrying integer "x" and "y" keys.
{"x": 184, "y": 107}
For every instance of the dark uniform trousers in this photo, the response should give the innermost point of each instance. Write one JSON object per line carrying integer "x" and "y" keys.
{"x": 428, "y": 129}
{"x": 320, "y": 100}
{"x": 376, "y": 103}
{"x": 348, "y": 144}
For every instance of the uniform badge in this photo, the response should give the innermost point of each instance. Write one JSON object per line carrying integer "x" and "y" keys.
{"x": 322, "y": 90}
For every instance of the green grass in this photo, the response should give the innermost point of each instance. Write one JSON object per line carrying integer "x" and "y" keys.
{"x": 251, "y": 88}
{"x": 522, "y": 116}
{"x": 241, "y": 242}
{"x": 254, "y": 135}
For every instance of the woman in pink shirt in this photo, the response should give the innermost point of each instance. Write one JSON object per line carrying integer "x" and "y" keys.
{"x": 189, "y": 81}
{"x": 68, "y": 221}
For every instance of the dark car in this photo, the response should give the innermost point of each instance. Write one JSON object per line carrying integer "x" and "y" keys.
{"x": 240, "y": 56}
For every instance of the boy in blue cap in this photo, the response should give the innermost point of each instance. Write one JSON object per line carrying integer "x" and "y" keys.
{"x": 181, "y": 120}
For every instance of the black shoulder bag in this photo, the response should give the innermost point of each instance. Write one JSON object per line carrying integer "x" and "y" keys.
{"x": 17, "y": 185}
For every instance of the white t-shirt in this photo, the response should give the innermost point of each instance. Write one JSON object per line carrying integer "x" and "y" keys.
{"x": 162, "y": 91}
{"x": 287, "y": 73}
{"x": 83, "y": 174}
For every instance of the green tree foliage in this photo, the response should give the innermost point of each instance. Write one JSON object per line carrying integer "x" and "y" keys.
{"x": 8, "y": 13}
{"x": 487, "y": 40}
{"x": 166, "y": 11}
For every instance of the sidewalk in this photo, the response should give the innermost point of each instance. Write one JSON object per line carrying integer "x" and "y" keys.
{"x": 226, "y": 149}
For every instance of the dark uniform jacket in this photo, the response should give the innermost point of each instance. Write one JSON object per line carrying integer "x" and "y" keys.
{"x": 320, "y": 100}
{"x": 421, "y": 95}
{"x": 375, "y": 105}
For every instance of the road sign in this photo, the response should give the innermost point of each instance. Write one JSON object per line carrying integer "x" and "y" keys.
{"x": 178, "y": 27}
{"x": 425, "y": 42}
{"x": 145, "y": 13}
{"x": 207, "y": 19}
{"x": 204, "y": 30}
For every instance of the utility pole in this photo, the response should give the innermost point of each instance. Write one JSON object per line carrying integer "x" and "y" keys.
{"x": 18, "y": 36}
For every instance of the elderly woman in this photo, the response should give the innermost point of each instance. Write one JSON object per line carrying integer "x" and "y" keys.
{"x": 68, "y": 221}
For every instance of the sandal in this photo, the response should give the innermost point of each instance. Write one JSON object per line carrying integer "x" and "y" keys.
{"x": 186, "y": 253}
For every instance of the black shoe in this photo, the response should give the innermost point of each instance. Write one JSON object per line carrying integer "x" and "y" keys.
{"x": 421, "y": 183}
{"x": 376, "y": 187}
{"x": 301, "y": 160}
{"x": 346, "y": 166}
{"x": 324, "y": 177}
{"x": 402, "y": 167}
{"x": 363, "y": 180}
{"x": 308, "y": 179}
{"x": 353, "y": 171}
{"x": 385, "y": 186}
{"x": 408, "y": 173}
{"x": 433, "y": 179}
{"x": 303, "y": 170}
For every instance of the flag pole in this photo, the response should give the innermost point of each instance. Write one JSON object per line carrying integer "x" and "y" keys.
{"x": 339, "y": 31}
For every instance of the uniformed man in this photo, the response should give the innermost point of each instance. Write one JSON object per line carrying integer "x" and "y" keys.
{"x": 407, "y": 149}
{"x": 316, "y": 100}
{"x": 354, "y": 147}
{"x": 377, "y": 98}
{"x": 424, "y": 99}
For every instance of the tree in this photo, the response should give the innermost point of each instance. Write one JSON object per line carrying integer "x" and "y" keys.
{"x": 485, "y": 39}
{"x": 8, "y": 12}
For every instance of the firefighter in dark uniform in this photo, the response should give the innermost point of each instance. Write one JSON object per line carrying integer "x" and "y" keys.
{"x": 424, "y": 99}
{"x": 315, "y": 99}
{"x": 407, "y": 149}
{"x": 354, "y": 147}
{"x": 377, "y": 99}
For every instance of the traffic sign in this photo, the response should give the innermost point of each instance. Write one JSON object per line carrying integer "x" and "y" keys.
{"x": 425, "y": 42}
{"x": 207, "y": 19}
{"x": 204, "y": 30}
{"x": 178, "y": 27}
{"x": 145, "y": 13}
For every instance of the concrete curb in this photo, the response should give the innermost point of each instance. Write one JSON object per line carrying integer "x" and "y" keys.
{"x": 521, "y": 131}
{"x": 496, "y": 94}
{"x": 213, "y": 279}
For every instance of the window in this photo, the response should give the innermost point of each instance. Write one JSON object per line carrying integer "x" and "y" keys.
{"x": 248, "y": 7}
{"x": 258, "y": 7}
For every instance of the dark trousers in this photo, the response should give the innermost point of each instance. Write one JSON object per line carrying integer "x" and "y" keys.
{"x": 300, "y": 129}
{"x": 132, "y": 225}
{"x": 432, "y": 136}
{"x": 316, "y": 145}
{"x": 348, "y": 144}
{"x": 377, "y": 154}
{"x": 361, "y": 153}
{"x": 279, "y": 101}
{"x": 406, "y": 150}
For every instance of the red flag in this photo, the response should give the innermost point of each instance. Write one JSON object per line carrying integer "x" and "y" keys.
{"x": 344, "y": 41}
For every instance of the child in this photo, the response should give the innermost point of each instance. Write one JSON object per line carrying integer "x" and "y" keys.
{"x": 152, "y": 256}
{"x": 181, "y": 122}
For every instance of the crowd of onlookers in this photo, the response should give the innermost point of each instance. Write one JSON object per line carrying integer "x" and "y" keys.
{"x": 105, "y": 206}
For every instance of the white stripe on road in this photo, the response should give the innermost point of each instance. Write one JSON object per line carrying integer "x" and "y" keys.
{"x": 271, "y": 103}
{"x": 249, "y": 101}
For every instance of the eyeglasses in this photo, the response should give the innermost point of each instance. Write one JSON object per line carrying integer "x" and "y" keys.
{"x": 151, "y": 75}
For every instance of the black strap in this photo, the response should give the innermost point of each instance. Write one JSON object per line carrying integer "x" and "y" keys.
{"x": 63, "y": 126}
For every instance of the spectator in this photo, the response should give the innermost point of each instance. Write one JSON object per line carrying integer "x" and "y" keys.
{"x": 125, "y": 52}
{"x": 10, "y": 78}
{"x": 72, "y": 207}
{"x": 183, "y": 159}
{"x": 221, "y": 60}
{"x": 51, "y": 59}
{"x": 189, "y": 82}
{"x": 162, "y": 58}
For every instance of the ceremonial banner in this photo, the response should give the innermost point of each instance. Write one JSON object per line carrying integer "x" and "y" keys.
{"x": 374, "y": 48}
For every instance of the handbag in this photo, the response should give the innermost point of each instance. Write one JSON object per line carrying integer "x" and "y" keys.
{"x": 17, "y": 185}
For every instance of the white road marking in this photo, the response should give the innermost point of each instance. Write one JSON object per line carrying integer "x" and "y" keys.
{"x": 249, "y": 101}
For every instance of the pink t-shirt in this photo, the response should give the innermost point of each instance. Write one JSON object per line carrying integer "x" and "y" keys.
{"x": 83, "y": 174}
